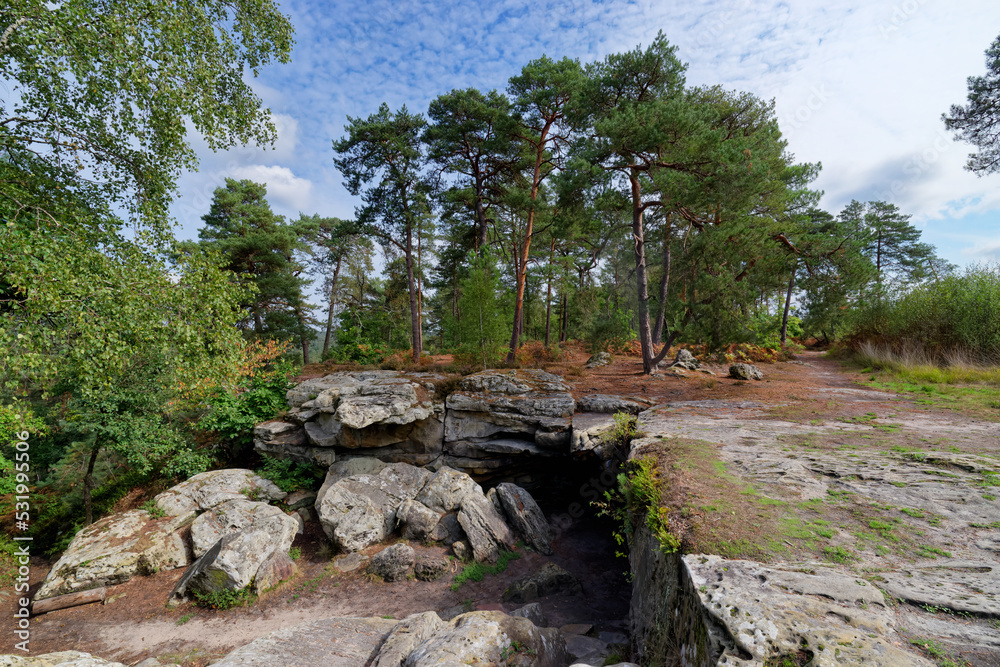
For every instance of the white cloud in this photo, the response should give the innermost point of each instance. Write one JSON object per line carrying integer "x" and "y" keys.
{"x": 287, "y": 193}
{"x": 858, "y": 86}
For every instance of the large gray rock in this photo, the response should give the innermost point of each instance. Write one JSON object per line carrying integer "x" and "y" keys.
{"x": 235, "y": 516}
{"x": 745, "y": 372}
{"x": 276, "y": 568}
{"x": 488, "y": 532}
{"x": 548, "y": 580}
{"x": 360, "y": 510}
{"x": 392, "y": 563}
{"x": 608, "y": 404}
{"x": 208, "y": 489}
{"x": 114, "y": 549}
{"x": 684, "y": 359}
{"x": 499, "y": 420}
{"x": 525, "y": 516}
{"x": 391, "y": 415}
{"x": 408, "y": 634}
{"x": 599, "y": 359}
{"x": 60, "y": 659}
{"x": 331, "y": 642}
{"x": 417, "y": 520}
{"x": 446, "y": 489}
{"x": 592, "y": 434}
{"x": 247, "y": 543}
{"x": 490, "y": 637}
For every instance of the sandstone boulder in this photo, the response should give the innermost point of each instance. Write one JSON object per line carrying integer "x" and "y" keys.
{"x": 525, "y": 516}
{"x": 235, "y": 516}
{"x": 607, "y": 404}
{"x": 684, "y": 359}
{"x": 331, "y": 642}
{"x": 499, "y": 418}
{"x": 490, "y": 637}
{"x": 208, "y": 489}
{"x": 775, "y": 611}
{"x": 114, "y": 549}
{"x": 446, "y": 489}
{"x": 430, "y": 569}
{"x": 389, "y": 414}
{"x": 360, "y": 510}
{"x": 392, "y": 563}
{"x": 487, "y": 531}
{"x": 548, "y": 580}
{"x": 417, "y": 520}
{"x": 745, "y": 372}
{"x": 276, "y": 568}
{"x": 244, "y": 550}
{"x": 599, "y": 359}
{"x": 407, "y": 635}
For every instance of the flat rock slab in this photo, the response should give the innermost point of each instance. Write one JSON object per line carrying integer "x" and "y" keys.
{"x": 972, "y": 587}
{"x": 776, "y": 611}
{"x": 608, "y": 404}
{"x": 350, "y": 562}
{"x": 208, "y": 489}
{"x": 331, "y": 642}
{"x": 114, "y": 549}
{"x": 60, "y": 659}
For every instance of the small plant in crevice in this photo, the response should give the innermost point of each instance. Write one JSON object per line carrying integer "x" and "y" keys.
{"x": 515, "y": 648}
{"x": 476, "y": 571}
{"x": 638, "y": 495}
{"x": 153, "y": 509}
{"x": 225, "y": 599}
{"x": 290, "y": 475}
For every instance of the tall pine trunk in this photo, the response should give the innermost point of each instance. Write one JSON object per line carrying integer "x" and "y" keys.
{"x": 88, "y": 484}
{"x": 649, "y": 357}
{"x": 412, "y": 284}
{"x": 332, "y": 306}
{"x": 788, "y": 303}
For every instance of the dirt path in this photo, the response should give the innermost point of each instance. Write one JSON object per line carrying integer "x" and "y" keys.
{"x": 809, "y": 409}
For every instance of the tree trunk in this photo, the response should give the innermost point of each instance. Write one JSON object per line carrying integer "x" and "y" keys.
{"x": 565, "y": 318}
{"x": 548, "y": 292}
{"x": 412, "y": 284}
{"x": 88, "y": 484}
{"x": 788, "y": 303}
{"x": 526, "y": 244}
{"x": 332, "y": 306}
{"x": 661, "y": 311}
{"x": 480, "y": 217}
{"x": 649, "y": 357}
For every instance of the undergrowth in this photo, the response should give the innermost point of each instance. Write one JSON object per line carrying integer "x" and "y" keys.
{"x": 225, "y": 599}
{"x": 476, "y": 571}
{"x": 639, "y": 496}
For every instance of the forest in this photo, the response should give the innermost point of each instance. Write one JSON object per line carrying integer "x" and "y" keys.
{"x": 608, "y": 204}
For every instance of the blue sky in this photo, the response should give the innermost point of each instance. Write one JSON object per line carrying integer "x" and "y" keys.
{"x": 858, "y": 86}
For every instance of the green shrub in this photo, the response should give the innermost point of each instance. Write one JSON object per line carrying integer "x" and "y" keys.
{"x": 233, "y": 415}
{"x": 476, "y": 571}
{"x": 611, "y": 331}
{"x": 638, "y": 495}
{"x": 958, "y": 312}
{"x": 225, "y": 599}
{"x": 291, "y": 475}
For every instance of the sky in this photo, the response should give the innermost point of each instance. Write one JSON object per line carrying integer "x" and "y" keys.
{"x": 859, "y": 86}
